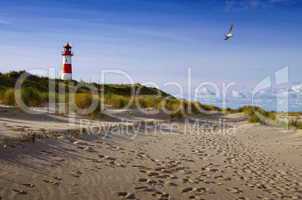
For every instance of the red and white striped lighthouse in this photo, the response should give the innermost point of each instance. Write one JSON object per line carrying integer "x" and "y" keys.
{"x": 67, "y": 64}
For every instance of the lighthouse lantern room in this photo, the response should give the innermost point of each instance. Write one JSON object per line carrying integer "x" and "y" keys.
{"x": 67, "y": 64}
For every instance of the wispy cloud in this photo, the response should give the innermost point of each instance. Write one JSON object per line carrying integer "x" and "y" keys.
{"x": 252, "y": 4}
{"x": 4, "y": 22}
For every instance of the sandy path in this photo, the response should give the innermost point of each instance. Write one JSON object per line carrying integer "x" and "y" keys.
{"x": 181, "y": 166}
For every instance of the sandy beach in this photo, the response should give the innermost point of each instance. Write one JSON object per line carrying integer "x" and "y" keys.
{"x": 150, "y": 100}
{"x": 244, "y": 161}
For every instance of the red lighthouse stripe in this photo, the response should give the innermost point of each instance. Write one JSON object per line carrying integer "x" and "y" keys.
{"x": 67, "y": 53}
{"x": 67, "y": 68}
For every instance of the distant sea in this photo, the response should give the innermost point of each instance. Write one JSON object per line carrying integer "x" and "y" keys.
{"x": 269, "y": 104}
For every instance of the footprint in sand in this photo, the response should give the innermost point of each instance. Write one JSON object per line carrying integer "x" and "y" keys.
{"x": 188, "y": 189}
{"x": 126, "y": 195}
{"x": 29, "y": 185}
{"x": 169, "y": 183}
{"x": 57, "y": 178}
{"x": 51, "y": 182}
{"x": 18, "y": 191}
{"x": 142, "y": 180}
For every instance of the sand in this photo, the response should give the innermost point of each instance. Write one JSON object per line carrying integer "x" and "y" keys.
{"x": 244, "y": 161}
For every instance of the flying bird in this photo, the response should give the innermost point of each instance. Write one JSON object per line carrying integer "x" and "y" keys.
{"x": 229, "y": 34}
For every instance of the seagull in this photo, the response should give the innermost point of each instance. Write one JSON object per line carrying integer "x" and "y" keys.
{"x": 229, "y": 35}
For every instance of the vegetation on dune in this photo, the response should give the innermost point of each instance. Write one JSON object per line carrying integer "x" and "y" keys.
{"x": 87, "y": 104}
{"x": 177, "y": 115}
{"x": 258, "y": 115}
{"x": 210, "y": 107}
{"x": 35, "y": 92}
{"x": 42, "y": 84}
{"x": 116, "y": 101}
{"x": 230, "y": 110}
{"x": 8, "y": 97}
{"x": 148, "y": 101}
{"x": 32, "y": 97}
{"x": 83, "y": 100}
{"x": 8, "y": 80}
{"x": 295, "y": 123}
{"x": 29, "y": 96}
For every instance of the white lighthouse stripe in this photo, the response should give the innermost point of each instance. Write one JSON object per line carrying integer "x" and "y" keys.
{"x": 66, "y": 59}
{"x": 66, "y": 76}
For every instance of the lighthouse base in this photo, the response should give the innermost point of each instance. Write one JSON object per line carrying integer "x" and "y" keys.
{"x": 66, "y": 76}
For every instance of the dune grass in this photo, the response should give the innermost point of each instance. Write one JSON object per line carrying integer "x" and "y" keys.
{"x": 83, "y": 100}
{"x": 36, "y": 93}
{"x": 295, "y": 123}
{"x": 87, "y": 104}
{"x": 30, "y": 97}
{"x": 116, "y": 101}
{"x": 257, "y": 114}
{"x": 8, "y": 97}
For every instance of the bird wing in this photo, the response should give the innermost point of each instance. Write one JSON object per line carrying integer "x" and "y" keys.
{"x": 231, "y": 28}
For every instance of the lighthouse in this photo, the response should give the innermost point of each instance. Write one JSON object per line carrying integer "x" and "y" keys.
{"x": 66, "y": 73}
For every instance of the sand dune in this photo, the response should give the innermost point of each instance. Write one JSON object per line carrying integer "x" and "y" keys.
{"x": 242, "y": 162}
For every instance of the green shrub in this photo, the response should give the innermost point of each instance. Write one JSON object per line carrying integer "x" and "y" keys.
{"x": 32, "y": 97}
{"x": 172, "y": 105}
{"x": 117, "y": 101}
{"x": 2, "y": 91}
{"x": 177, "y": 115}
{"x": 230, "y": 111}
{"x": 253, "y": 118}
{"x": 295, "y": 123}
{"x": 257, "y": 114}
{"x": 83, "y": 100}
{"x": 210, "y": 107}
{"x": 195, "y": 107}
{"x": 8, "y": 97}
{"x": 147, "y": 101}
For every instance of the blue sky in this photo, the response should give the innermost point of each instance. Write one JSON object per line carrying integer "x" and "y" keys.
{"x": 155, "y": 40}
